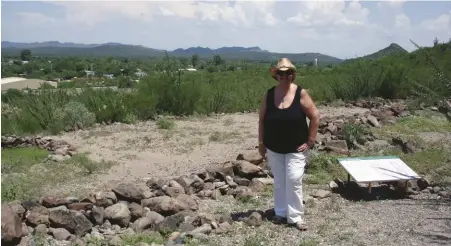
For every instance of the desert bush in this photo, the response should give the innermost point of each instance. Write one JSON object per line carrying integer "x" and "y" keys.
{"x": 73, "y": 113}
{"x": 106, "y": 104}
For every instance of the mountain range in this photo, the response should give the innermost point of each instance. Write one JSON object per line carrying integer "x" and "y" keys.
{"x": 55, "y": 48}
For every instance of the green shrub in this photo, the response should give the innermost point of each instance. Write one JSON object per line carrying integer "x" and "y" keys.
{"x": 73, "y": 113}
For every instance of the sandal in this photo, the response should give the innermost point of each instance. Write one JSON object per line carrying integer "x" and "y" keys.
{"x": 302, "y": 226}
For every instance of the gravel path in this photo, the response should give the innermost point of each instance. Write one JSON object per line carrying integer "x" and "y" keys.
{"x": 337, "y": 221}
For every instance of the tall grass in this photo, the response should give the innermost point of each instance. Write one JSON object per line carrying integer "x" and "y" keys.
{"x": 171, "y": 91}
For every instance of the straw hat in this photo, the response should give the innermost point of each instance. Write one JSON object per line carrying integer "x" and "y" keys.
{"x": 284, "y": 64}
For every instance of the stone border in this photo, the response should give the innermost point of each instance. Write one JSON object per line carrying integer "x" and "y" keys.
{"x": 156, "y": 205}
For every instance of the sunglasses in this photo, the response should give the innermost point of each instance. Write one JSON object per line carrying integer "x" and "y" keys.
{"x": 284, "y": 73}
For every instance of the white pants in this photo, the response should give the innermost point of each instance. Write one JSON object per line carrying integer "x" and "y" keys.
{"x": 288, "y": 171}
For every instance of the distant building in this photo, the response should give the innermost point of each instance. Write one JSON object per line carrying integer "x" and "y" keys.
{"x": 188, "y": 69}
{"x": 90, "y": 73}
{"x": 109, "y": 76}
{"x": 140, "y": 73}
{"x": 24, "y": 83}
{"x": 315, "y": 63}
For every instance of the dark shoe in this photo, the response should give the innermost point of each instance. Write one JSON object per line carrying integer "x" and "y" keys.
{"x": 279, "y": 219}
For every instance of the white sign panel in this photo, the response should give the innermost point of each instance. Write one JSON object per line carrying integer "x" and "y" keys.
{"x": 378, "y": 169}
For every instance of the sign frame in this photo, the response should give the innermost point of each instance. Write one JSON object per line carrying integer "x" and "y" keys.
{"x": 407, "y": 179}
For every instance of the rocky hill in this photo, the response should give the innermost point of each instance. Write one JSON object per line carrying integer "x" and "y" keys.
{"x": 54, "y": 48}
{"x": 392, "y": 49}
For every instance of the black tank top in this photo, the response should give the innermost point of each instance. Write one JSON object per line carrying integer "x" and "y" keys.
{"x": 284, "y": 129}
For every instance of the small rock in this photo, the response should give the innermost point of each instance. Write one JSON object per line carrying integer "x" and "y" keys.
{"x": 255, "y": 219}
{"x": 60, "y": 233}
{"x": 321, "y": 194}
{"x": 118, "y": 213}
{"x": 41, "y": 229}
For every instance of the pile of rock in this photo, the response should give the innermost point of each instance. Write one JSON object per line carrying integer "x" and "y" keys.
{"x": 158, "y": 206}
{"x": 59, "y": 149}
{"x": 332, "y": 134}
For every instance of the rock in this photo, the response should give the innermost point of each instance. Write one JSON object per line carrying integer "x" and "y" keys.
{"x": 265, "y": 181}
{"x": 255, "y": 219}
{"x": 241, "y": 181}
{"x": 207, "y": 175}
{"x": 35, "y": 218}
{"x": 373, "y": 121}
{"x": 332, "y": 128}
{"x": 115, "y": 241}
{"x": 423, "y": 183}
{"x": 250, "y": 156}
{"x": 181, "y": 221}
{"x": 444, "y": 194}
{"x": 155, "y": 184}
{"x": 17, "y": 208}
{"x": 321, "y": 194}
{"x": 80, "y": 206}
{"x": 11, "y": 224}
{"x": 60, "y": 233}
{"x": 174, "y": 191}
{"x": 242, "y": 192}
{"x": 51, "y": 201}
{"x": 225, "y": 170}
{"x": 165, "y": 205}
{"x": 174, "y": 236}
{"x": 230, "y": 182}
{"x": 204, "y": 229}
{"x": 41, "y": 229}
{"x": 129, "y": 192}
{"x": 35, "y": 207}
{"x": 406, "y": 146}
{"x": 257, "y": 186}
{"x": 118, "y": 214}
{"x": 337, "y": 146}
{"x": 57, "y": 158}
{"x": 136, "y": 210}
{"x": 149, "y": 221}
{"x": 104, "y": 198}
{"x": 333, "y": 185}
{"x": 216, "y": 194}
{"x": 98, "y": 214}
{"x": 73, "y": 221}
{"x": 247, "y": 170}
{"x": 436, "y": 189}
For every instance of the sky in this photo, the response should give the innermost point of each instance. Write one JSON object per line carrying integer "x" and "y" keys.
{"x": 344, "y": 29}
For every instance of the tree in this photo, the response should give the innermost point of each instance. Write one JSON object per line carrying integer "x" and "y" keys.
{"x": 435, "y": 41}
{"x": 217, "y": 60}
{"x": 195, "y": 60}
{"x": 25, "y": 55}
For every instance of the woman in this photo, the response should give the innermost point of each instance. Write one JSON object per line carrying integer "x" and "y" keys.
{"x": 285, "y": 137}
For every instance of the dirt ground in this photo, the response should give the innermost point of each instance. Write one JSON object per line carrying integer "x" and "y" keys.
{"x": 143, "y": 150}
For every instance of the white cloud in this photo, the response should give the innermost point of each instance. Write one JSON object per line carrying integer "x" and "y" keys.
{"x": 402, "y": 21}
{"x": 337, "y": 28}
{"x": 336, "y": 13}
{"x": 31, "y": 18}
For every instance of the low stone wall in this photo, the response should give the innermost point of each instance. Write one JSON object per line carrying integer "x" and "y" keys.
{"x": 157, "y": 205}
{"x": 59, "y": 150}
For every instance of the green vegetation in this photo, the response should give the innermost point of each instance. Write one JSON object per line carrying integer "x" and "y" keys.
{"x": 214, "y": 88}
{"x": 27, "y": 173}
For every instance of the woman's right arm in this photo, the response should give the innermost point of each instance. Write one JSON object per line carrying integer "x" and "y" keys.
{"x": 261, "y": 116}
